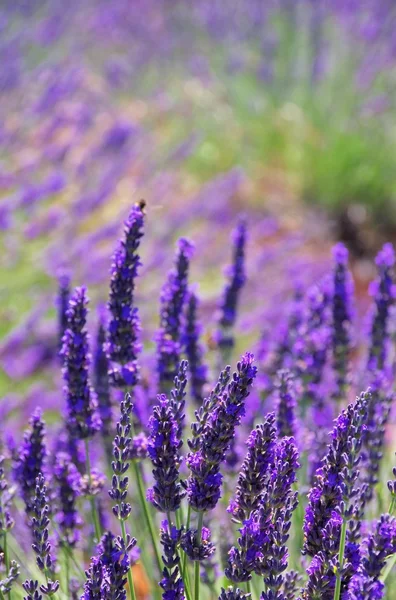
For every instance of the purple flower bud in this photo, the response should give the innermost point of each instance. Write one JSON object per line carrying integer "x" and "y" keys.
{"x": 101, "y": 380}
{"x": 173, "y": 296}
{"x": 62, "y": 306}
{"x": 6, "y": 520}
{"x": 384, "y": 294}
{"x": 82, "y": 417}
{"x": 236, "y": 280}
{"x": 232, "y": 593}
{"x": 342, "y": 317}
{"x": 194, "y": 350}
{"x": 68, "y": 478}
{"x": 286, "y": 404}
{"x": 30, "y": 461}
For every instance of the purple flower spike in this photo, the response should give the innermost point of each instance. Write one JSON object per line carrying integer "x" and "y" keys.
{"x": 40, "y": 522}
{"x": 120, "y": 464}
{"x": 31, "y": 457}
{"x": 365, "y": 584}
{"x": 83, "y": 420}
{"x": 204, "y": 483}
{"x": 383, "y": 291}
{"x": 67, "y": 478}
{"x": 101, "y": 379}
{"x": 286, "y": 404}
{"x": 236, "y": 280}
{"x": 62, "y": 304}
{"x": 342, "y": 317}
{"x": 6, "y": 521}
{"x": 171, "y": 581}
{"x": 169, "y": 337}
{"x": 122, "y": 346}
{"x": 255, "y": 469}
{"x": 194, "y": 350}
{"x": 163, "y": 447}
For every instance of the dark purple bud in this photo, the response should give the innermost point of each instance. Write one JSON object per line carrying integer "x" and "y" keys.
{"x": 194, "y": 350}
{"x": 171, "y": 581}
{"x": 120, "y": 465}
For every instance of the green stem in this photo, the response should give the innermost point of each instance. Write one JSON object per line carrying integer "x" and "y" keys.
{"x": 341, "y": 552}
{"x": 2, "y": 597}
{"x": 147, "y": 515}
{"x": 389, "y": 568}
{"x": 184, "y": 565}
{"x": 248, "y": 588}
{"x": 196, "y": 563}
{"x": 95, "y": 516}
{"x": 67, "y": 572}
{"x": 130, "y": 578}
{"x": 392, "y": 505}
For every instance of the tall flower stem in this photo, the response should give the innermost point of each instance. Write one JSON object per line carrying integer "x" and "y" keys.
{"x": 67, "y": 571}
{"x": 147, "y": 516}
{"x": 392, "y": 506}
{"x": 341, "y": 553}
{"x": 196, "y": 564}
{"x": 248, "y": 588}
{"x": 184, "y": 566}
{"x": 130, "y": 578}
{"x": 95, "y": 516}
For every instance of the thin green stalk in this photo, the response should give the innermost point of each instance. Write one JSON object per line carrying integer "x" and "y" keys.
{"x": 184, "y": 565}
{"x": 389, "y": 568}
{"x": 341, "y": 552}
{"x": 95, "y": 516}
{"x": 392, "y": 505}
{"x": 2, "y": 597}
{"x": 248, "y": 588}
{"x": 130, "y": 578}
{"x": 67, "y": 572}
{"x": 147, "y": 515}
{"x": 196, "y": 563}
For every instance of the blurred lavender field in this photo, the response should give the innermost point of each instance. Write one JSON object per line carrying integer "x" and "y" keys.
{"x": 270, "y": 120}
{"x": 204, "y": 109}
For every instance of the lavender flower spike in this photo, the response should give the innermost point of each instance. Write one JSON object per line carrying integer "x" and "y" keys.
{"x": 163, "y": 447}
{"x": 194, "y": 350}
{"x": 6, "y": 521}
{"x": 41, "y": 546}
{"x": 366, "y": 584}
{"x": 31, "y": 588}
{"x": 67, "y": 477}
{"x": 171, "y": 582}
{"x": 204, "y": 483}
{"x": 286, "y": 404}
{"x": 101, "y": 379}
{"x": 173, "y": 296}
{"x": 384, "y": 296}
{"x": 124, "y": 327}
{"x": 236, "y": 280}
{"x": 120, "y": 464}
{"x": 62, "y": 304}
{"x": 82, "y": 417}
{"x": 342, "y": 317}
{"x": 255, "y": 469}
{"x": 31, "y": 458}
